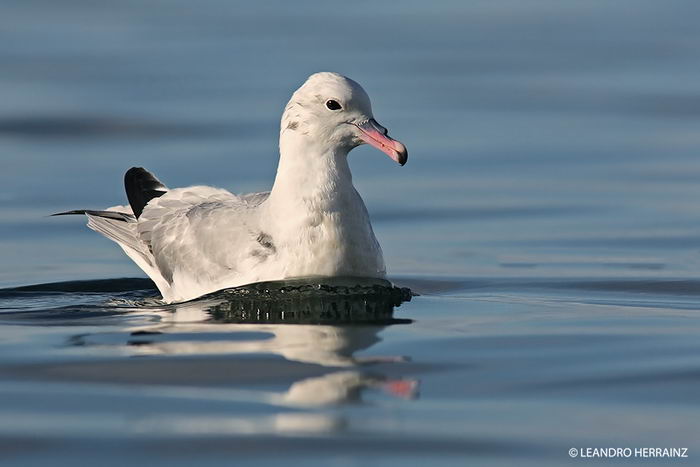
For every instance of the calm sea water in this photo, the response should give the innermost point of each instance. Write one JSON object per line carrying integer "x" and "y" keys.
{"x": 548, "y": 216}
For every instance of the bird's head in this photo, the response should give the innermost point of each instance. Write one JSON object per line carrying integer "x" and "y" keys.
{"x": 332, "y": 108}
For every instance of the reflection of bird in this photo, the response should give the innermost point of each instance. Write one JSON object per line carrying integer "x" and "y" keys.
{"x": 327, "y": 346}
{"x": 227, "y": 323}
{"x": 187, "y": 329}
{"x": 197, "y": 240}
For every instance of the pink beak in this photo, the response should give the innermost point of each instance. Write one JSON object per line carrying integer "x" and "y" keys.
{"x": 374, "y": 134}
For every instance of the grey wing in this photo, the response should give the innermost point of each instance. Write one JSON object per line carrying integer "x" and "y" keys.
{"x": 200, "y": 234}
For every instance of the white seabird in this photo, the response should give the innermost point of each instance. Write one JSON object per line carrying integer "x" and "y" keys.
{"x": 313, "y": 223}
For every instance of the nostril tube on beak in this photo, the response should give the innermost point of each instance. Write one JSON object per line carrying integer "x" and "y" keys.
{"x": 378, "y": 127}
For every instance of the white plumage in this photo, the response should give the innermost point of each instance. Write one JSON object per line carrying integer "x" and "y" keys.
{"x": 196, "y": 240}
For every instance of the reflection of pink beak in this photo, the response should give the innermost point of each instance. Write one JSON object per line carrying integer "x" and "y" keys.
{"x": 403, "y": 388}
{"x": 374, "y": 134}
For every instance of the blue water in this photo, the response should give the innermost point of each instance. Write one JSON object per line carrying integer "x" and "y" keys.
{"x": 547, "y": 217}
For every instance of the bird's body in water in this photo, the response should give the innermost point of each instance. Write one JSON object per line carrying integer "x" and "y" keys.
{"x": 196, "y": 240}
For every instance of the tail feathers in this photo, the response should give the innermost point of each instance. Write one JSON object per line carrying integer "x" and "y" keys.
{"x": 141, "y": 187}
{"x": 119, "y": 227}
{"x": 126, "y": 235}
{"x": 122, "y": 228}
{"x": 123, "y": 233}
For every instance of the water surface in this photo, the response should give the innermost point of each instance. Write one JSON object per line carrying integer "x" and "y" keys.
{"x": 547, "y": 217}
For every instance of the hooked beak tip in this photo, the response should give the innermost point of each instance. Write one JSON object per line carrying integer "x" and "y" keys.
{"x": 401, "y": 153}
{"x": 375, "y": 135}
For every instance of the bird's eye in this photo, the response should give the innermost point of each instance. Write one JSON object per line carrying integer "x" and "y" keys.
{"x": 333, "y": 105}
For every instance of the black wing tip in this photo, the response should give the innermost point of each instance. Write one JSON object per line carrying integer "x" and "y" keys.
{"x": 143, "y": 176}
{"x": 136, "y": 171}
{"x": 69, "y": 213}
{"x": 114, "y": 215}
{"x": 141, "y": 187}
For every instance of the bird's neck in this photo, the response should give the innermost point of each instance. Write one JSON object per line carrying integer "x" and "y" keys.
{"x": 310, "y": 176}
{"x": 316, "y": 217}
